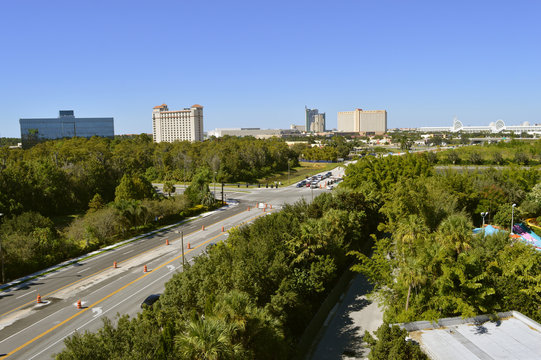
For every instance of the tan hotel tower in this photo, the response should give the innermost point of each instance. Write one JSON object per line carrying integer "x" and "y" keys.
{"x": 366, "y": 122}
{"x": 177, "y": 125}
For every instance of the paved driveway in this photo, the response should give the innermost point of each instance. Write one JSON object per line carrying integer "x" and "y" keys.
{"x": 341, "y": 335}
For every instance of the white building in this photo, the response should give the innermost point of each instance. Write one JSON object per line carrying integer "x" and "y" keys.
{"x": 301, "y": 128}
{"x": 318, "y": 125}
{"x": 255, "y": 132}
{"x": 368, "y": 122}
{"x": 494, "y": 127}
{"x": 177, "y": 125}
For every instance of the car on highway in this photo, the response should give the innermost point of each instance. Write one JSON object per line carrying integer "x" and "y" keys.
{"x": 209, "y": 247}
{"x": 150, "y": 300}
{"x": 301, "y": 184}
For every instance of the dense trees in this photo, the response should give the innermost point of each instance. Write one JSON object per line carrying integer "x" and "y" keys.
{"x": 511, "y": 152}
{"x": 391, "y": 344}
{"x": 62, "y": 176}
{"x": 251, "y": 297}
{"x": 428, "y": 264}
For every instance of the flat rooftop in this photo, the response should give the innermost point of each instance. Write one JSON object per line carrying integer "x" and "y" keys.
{"x": 512, "y": 336}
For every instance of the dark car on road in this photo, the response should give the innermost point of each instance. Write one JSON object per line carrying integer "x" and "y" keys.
{"x": 150, "y": 300}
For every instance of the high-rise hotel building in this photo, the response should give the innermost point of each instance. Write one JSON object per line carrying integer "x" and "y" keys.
{"x": 366, "y": 122}
{"x": 315, "y": 122}
{"x": 178, "y": 125}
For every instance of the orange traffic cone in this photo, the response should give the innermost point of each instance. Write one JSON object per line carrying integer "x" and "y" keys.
{"x": 189, "y": 246}
{"x": 38, "y": 299}
{"x": 222, "y": 229}
{"x": 114, "y": 265}
{"x": 203, "y": 227}
{"x": 79, "y": 305}
{"x": 248, "y": 208}
{"x": 166, "y": 241}
{"x": 145, "y": 269}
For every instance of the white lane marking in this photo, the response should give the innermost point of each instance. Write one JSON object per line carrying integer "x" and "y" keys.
{"x": 26, "y": 328}
{"x": 97, "y": 311}
{"x": 106, "y": 311}
{"x": 78, "y": 272}
{"x": 129, "y": 251}
{"x": 18, "y": 297}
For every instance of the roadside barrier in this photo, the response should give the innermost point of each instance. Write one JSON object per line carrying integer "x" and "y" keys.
{"x": 203, "y": 227}
{"x": 166, "y": 241}
{"x": 114, "y": 265}
{"x": 189, "y": 246}
{"x": 79, "y": 305}
{"x": 248, "y": 208}
{"x": 145, "y": 269}
{"x": 222, "y": 229}
{"x": 38, "y": 300}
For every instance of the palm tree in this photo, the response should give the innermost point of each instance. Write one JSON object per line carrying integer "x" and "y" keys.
{"x": 208, "y": 339}
{"x": 414, "y": 273}
{"x": 455, "y": 233}
{"x": 410, "y": 233}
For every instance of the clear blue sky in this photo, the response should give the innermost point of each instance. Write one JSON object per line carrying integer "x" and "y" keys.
{"x": 258, "y": 63}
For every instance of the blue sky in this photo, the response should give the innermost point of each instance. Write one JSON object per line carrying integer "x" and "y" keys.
{"x": 257, "y": 64}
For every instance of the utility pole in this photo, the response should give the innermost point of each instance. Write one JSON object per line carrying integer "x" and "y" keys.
{"x": 222, "y": 193}
{"x": 182, "y": 244}
{"x": 214, "y": 181}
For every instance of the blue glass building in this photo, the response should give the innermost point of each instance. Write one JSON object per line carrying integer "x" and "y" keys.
{"x": 65, "y": 126}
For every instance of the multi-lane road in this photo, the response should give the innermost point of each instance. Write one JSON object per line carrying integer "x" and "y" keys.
{"x": 29, "y": 330}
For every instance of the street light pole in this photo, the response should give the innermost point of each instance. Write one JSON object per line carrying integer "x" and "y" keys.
{"x": 512, "y": 216}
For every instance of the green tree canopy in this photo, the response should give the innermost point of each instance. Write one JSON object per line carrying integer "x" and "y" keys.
{"x": 134, "y": 187}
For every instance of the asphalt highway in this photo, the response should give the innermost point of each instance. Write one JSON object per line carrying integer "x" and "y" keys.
{"x": 36, "y": 331}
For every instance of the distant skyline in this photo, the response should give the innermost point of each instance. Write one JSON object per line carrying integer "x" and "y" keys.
{"x": 258, "y": 64}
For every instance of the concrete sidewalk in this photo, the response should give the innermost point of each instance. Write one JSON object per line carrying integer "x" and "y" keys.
{"x": 341, "y": 335}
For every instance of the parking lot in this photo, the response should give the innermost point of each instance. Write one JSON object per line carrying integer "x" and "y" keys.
{"x": 325, "y": 180}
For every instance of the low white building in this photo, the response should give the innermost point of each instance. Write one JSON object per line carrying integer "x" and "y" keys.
{"x": 494, "y": 127}
{"x": 255, "y": 132}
